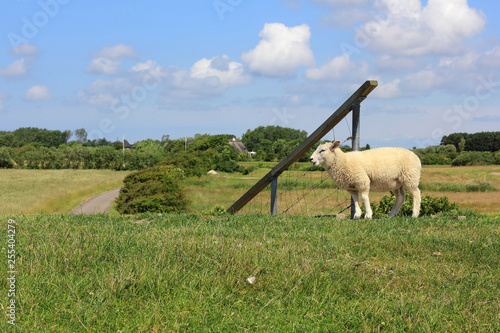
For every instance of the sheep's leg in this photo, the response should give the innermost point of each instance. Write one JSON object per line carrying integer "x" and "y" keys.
{"x": 415, "y": 193}
{"x": 400, "y": 199}
{"x": 357, "y": 208}
{"x": 366, "y": 202}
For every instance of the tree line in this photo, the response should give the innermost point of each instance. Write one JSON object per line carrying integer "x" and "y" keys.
{"x": 36, "y": 148}
{"x": 482, "y": 141}
{"x": 463, "y": 149}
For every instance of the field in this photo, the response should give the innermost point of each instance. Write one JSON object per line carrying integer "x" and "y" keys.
{"x": 248, "y": 272}
{"x": 484, "y": 202}
{"x": 207, "y": 191}
{"x": 52, "y": 191}
{"x": 59, "y": 191}
{"x": 189, "y": 273}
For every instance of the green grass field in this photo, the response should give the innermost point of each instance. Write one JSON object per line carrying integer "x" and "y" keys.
{"x": 188, "y": 273}
{"x": 52, "y": 191}
{"x": 59, "y": 191}
{"x": 462, "y": 185}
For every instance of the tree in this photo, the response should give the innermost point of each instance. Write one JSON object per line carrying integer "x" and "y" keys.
{"x": 461, "y": 145}
{"x": 266, "y": 138}
{"x": 454, "y": 139}
{"x": 81, "y": 135}
{"x": 7, "y": 139}
{"x": 7, "y": 155}
{"x": 482, "y": 141}
{"x": 152, "y": 151}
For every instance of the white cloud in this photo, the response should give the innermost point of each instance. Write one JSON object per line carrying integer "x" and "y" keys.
{"x": 105, "y": 66}
{"x": 147, "y": 73}
{"x": 205, "y": 79}
{"x": 420, "y": 82}
{"x": 337, "y": 68}
{"x": 389, "y": 64}
{"x": 105, "y": 92}
{"x": 387, "y": 90}
{"x": 425, "y": 80}
{"x": 37, "y": 93}
{"x": 17, "y": 68}
{"x": 118, "y": 51}
{"x": 345, "y": 13}
{"x": 335, "y": 3}
{"x": 228, "y": 72}
{"x": 108, "y": 60}
{"x": 181, "y": 85}
{"x": 472, "y": 61}
{"x": 147, "y": 66}
{"x": 408, "y": 29}
{"x": 24, "y": 49}
{"x": 280, "y": 51}
{"x": 491, "y": 58}
{"x": 20, "y": 67}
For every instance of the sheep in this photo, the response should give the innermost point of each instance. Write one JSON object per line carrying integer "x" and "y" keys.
{"x": 378, "y": 170}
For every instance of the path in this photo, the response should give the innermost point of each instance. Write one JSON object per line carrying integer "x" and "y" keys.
{"x": 97, "y": 204}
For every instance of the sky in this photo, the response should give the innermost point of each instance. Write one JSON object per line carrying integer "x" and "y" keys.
{"x": 147, "y": 69}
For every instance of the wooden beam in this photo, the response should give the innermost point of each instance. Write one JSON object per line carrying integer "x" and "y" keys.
{"x": 319, "y": 133}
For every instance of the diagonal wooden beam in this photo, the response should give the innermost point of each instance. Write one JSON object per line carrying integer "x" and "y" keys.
{"x": 319, "y": 133}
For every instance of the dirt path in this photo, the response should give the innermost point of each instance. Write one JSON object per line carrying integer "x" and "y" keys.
{"x": 97, "y": 204}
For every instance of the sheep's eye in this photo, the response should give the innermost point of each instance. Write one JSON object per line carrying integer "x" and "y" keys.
{"x": 322, "y": 151}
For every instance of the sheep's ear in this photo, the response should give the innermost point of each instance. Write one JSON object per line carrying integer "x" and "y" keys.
{"x": 336, "y": 144}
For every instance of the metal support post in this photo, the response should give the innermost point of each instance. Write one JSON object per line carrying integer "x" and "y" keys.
{"x": 355, "y": 138}
{"x": 274, "y": 196}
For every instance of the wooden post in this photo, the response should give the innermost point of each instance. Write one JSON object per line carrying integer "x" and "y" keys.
{"x": 356, "y": 107}
{"x": 320, "y": 132}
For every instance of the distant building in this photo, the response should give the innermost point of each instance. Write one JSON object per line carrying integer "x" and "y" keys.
{"x": 238, "y": 145}
{"x": 127, "y": 145}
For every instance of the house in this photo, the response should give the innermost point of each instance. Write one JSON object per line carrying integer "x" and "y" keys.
{"x": 238, "y": 145}
{"x": 126, "y": 145}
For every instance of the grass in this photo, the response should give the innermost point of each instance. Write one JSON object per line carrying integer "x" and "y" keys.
{"x": 476, "y": 188}
{"x": 58, "y": 191}
{"x": 453, "y": 177}
{"x": 52, "y": 191}
{"x": 151, "y": 273}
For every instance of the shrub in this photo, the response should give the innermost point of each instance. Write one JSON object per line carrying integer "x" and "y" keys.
{"x": 192, "y": 163}
{"x": 7, "y": 155}
{"x": 473, "y": 158}
{"x": 496, "y": 158}
{"x": 155, "y": 189}
{"x": 248, "y": 170}
{"x": 216, "y": 210}
{"x": 428, "y": 206}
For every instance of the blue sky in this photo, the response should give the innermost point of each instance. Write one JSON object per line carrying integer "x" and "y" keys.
{"x": 153, "y": 68}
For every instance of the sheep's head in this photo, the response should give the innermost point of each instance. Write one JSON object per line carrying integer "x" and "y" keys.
{"x": 318, "y": 157}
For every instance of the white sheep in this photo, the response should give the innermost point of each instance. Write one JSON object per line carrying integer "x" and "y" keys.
{"x": 378, "y": 170}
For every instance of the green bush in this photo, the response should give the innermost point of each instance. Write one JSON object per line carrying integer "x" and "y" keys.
{"x": 192, "y": 163}
{"x": 428, "y": 206}
{"x": 155, "y": 189}
{"x": 7, "y": 155}
{"x": 473, "y": 158}
{"x": 248, "y": 170}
